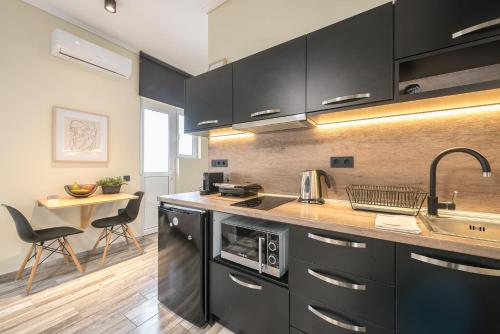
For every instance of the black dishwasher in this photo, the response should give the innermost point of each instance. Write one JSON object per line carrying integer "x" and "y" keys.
{"x": 182, "y": 262}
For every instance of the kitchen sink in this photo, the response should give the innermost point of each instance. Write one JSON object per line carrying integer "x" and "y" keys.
{"x": 462, "y": 224}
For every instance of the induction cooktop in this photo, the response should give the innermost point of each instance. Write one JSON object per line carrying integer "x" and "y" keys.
{"x": 264, "y": 202}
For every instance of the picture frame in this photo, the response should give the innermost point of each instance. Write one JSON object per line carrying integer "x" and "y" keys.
{"x": 79, "y": 136}
{"x": 217, "y": 64}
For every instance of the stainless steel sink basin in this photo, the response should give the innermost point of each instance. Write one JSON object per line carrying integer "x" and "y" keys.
{"x": 466, "y": 225}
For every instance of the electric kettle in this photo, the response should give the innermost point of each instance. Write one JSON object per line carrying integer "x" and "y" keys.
{"x": 310, "y": 186}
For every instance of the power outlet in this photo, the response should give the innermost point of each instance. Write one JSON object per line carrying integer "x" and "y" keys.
{"x": 220, "y": 163}
{"x": 342, "y": 162}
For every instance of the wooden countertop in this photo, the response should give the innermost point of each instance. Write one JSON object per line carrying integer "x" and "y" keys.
{"x": 70, "y": 202}
{"x": 339, "y": 217}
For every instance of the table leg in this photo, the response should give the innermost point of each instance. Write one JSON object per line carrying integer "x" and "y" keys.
{"x": 86, "y": 213}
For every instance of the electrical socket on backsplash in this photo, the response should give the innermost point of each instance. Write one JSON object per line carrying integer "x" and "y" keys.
{"x": 220, "y": 163}
{"x": 342, "y": 162}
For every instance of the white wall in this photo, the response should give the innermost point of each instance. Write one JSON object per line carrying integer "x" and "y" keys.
{"x": 190, "y": 171}
{"x": 32, "y": 82}
{"x": 240, "y": 28}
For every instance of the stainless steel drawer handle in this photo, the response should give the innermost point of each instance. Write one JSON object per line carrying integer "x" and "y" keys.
{"x": 476, "y": 28}
{"x": 336, "y": 281}
{"x": 337, "y": 323}
{"x": 347, "y": 98}
{"x": 212, "y": 121}
{"x": 245, "y": 284}
{"x": 456, "y": 266}
{"x": 265, "y": 112}
{"x": 337, "y": 242}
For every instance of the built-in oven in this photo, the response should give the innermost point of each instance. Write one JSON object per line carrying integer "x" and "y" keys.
{"x": 258, "y": 244}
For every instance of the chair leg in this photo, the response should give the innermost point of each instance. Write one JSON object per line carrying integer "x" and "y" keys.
{"x": 98, "y": 240}
{"x": 63, "y": 250}
{"x": 39, "y": 249}
{"x": 108, "y": 239}
{"x": 125, "y": 234}
{"x": 132, "y": 236}
{"x": 68, "y": 248}
{"x": 25, "y": 261}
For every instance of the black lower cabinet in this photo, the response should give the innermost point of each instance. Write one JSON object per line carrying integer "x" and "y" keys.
{"x": 247, "y": 304}
{"x": 361, "y": 297}
{"x": 443, "y": 292}
{"x": 295, "y": 331}
{"x": 311, "y": 316}
{"x": 364, "y": 257}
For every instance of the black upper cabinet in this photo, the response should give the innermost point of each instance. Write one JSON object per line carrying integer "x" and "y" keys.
{"x": 209, "y": 100}
{"x": 270, "y": 83}
{"x": 427, "y": 25}
{"x": 442, "y": 292}
{"x": 351, "y": 62}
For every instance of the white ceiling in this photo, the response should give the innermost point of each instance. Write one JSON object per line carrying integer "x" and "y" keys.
{"x": 175, "y": 31}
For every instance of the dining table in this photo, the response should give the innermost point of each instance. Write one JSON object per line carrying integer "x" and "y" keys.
{"x": 87, "y": 205}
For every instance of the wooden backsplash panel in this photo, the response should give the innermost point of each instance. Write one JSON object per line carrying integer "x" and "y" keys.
{"x": 397, "y": 153}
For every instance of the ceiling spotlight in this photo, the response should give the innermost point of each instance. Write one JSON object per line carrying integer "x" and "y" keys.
{"x": 110, "y": 6}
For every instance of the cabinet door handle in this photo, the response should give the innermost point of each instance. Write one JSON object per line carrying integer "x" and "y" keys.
{"x": 337, "y": 242}
{"x": 335, "y": 322}
{"x": 347, "y": 98}
{"x": 336, "y": 282}
{"x": 456, "y": 266}
{"x": 476, "y": 28}
{"x": 265, "y": 112}
{"x": 245, "y": 284}
{"x": 211, "y": 121}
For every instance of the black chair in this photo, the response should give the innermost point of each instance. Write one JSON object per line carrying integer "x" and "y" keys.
{"x": 38, "y": 239}
{"x": 113, "y": 225}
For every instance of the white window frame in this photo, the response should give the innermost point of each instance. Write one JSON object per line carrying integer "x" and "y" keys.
{"x": 195, "y": 142}
{"x": 158, "y": 106}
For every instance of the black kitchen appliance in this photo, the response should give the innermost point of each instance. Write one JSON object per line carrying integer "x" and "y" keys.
{"x": 238, "y": 189}
{"x": 182, "y": 264}
{"x": 209, "y": 181}
{"x": 264, "y": 202}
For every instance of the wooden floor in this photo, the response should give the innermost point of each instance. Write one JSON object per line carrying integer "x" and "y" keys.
{"x": 120, "y": 298}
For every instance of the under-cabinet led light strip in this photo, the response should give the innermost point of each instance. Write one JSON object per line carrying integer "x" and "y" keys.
{"x": 414, "y": 116}
{"x": 232, "y": 135}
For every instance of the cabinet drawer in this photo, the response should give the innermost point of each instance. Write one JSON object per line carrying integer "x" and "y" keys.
{"x": 247, "y": 304}
{"x": 313, "y": 317}
{"x": 368, "y": 258}
{"x": 363, "y": 298}
{"x": 295, "y": 331}
{"x": 454, "y": 293}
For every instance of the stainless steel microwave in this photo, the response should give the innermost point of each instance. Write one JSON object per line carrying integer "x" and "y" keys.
{"x": 258, "y": 244}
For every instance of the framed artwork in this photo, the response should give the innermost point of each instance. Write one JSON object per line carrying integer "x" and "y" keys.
{"x": 79, "y": 136}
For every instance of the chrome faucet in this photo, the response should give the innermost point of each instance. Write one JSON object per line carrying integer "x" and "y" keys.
{"x": 433, "y": 203}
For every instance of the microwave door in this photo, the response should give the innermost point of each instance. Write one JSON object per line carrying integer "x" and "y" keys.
{"x": 244, "y": 246}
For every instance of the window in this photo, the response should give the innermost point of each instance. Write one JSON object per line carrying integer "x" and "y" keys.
{"x": 187, "y": 144}
{"x": 156, "y": 142}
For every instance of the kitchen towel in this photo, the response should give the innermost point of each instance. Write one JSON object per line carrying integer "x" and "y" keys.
{"x": 397, "y": 223}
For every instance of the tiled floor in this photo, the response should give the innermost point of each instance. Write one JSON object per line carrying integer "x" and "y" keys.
{"x": 120, "y": 298}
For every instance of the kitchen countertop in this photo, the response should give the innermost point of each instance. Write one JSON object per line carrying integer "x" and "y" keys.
{"x": 337, "y": 216}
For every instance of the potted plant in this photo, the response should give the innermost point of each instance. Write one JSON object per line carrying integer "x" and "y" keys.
{"x": 111, "y": 185}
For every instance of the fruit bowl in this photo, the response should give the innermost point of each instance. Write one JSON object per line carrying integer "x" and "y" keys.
{"x": 83, "y": 190}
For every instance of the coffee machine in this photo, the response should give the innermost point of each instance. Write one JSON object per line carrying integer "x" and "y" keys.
{"x": 209, "y": 179}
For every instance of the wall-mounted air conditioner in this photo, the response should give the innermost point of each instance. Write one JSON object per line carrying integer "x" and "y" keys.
{"x": 74, "y": 48}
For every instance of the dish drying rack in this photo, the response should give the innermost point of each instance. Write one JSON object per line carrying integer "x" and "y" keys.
{"x": 389, "y": 199}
